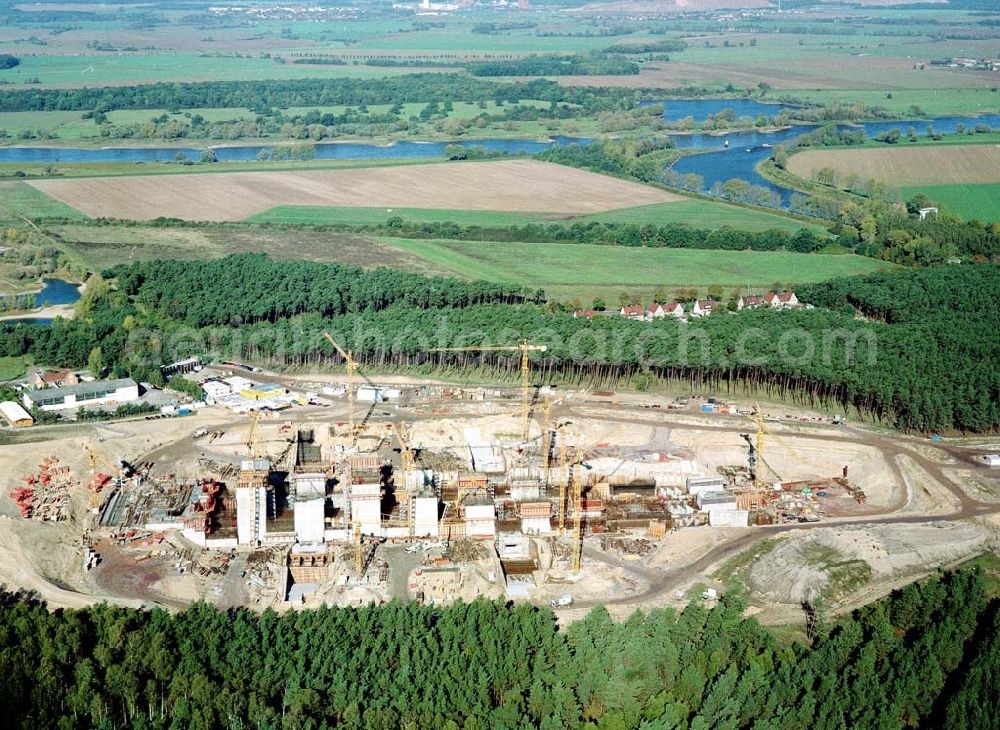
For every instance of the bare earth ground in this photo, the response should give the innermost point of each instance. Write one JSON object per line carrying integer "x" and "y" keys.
{"x": 509, "y": 185}
{"x": 906, "y": 165}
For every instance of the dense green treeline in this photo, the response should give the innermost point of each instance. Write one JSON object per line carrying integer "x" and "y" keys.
{"x": 252, "y": 287}
{"x": 941, "y": 293}
{"x": 575, "y": 65}
{"x": 265, "y": 95}
{"x": 925, "y": 654}
{"x": 935, "y": 369}
{"x": 669, "y": 235}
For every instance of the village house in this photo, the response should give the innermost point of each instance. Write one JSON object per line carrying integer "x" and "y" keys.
{"x": 52, "y": 379}
{"x": 584, "y": 313}
{"x": 704, "y": 307}
{"x": 660, "y": 311}
{"x": 633, "y": 311}
{"x": 751, "y": 301}
{"x": 782, "y": 300}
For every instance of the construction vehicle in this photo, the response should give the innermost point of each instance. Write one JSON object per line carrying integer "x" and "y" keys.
{"x": 524, "y": 347}
{"x": 562, "y": 602}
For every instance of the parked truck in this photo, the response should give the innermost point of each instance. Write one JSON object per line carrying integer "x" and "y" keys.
{"x": 562, "y": 601}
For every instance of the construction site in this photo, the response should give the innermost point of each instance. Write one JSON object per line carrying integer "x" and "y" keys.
{"x": 423, "y": 491}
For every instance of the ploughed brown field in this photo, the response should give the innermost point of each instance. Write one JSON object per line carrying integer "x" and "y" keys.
{"x": 907, "y": 166}
{"x": 504, "y": 185}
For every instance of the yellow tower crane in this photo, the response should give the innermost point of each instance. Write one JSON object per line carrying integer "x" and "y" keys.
{"x": 352, "y": 366}
{"x": 357, "y": 549}
{"x": 524, "y": 347}
{"x": 757, "y": 460}
{"x": 409, "y": 464}
{"x": 564, "y": 473}
{"x": 546, "y": 439}
{"x": 94, "y": 458}
{"x": 252, "y": 435}
{"x": 577, "y": 511}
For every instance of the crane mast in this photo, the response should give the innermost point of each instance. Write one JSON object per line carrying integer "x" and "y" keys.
{"x": 351, "y": 366}
{"x": 409, "y": 465}
{"x": 577, "y": 512}
{"x": 524, "y": 347}
{"x": 564, "y": 469}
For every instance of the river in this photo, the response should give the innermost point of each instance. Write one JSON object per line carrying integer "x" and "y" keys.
{"x": 728, "y": 155}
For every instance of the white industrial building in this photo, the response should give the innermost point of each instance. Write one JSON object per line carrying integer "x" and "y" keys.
{"x": 98, "y": 392}
{"x": 366, "y": 507}
{"x": 701, "y": 485}
{"x": 729, "y": 518}
{"x": 425, "y": 515}
{"x": 370, "y": 394}
{"x": 480, "y": 518}
{"x": 536, "y": 518}
{"x": 310, "y": 506}
{"x": 216, "y": 389}
{"x": 237, "y": 383}
{"x": 251, "y": 515}
{"x": 710, "y": 500}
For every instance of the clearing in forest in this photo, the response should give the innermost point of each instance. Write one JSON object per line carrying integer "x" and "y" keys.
{"x": 505, "y": 185}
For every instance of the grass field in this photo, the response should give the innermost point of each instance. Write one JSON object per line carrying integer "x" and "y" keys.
{"x": 13, "y": 367}
{"x": 513, "y": 185}
{"x": 909, "y": 166}
{"x": 700, "y": 213}
{"x": 694, "y": 212}
{"x": 575, "y": 271}
{"x": 20, "y": 200}
{"x": 110, "y": 70}
{"x": 934, "y": 102}
{"x": 969, "y": 201}
{"x": 565, "y": 271}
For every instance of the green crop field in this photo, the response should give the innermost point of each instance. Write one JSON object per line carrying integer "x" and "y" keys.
{"x": 694, "y": 212}
{"x": 580, "y": 271}
{"x": 700, "y": 213}
{"x": 980, "y": 201}
{"x": 20, "y": 200}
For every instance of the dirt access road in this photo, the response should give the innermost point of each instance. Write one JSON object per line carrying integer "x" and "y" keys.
{"x": 665, "y": 581}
